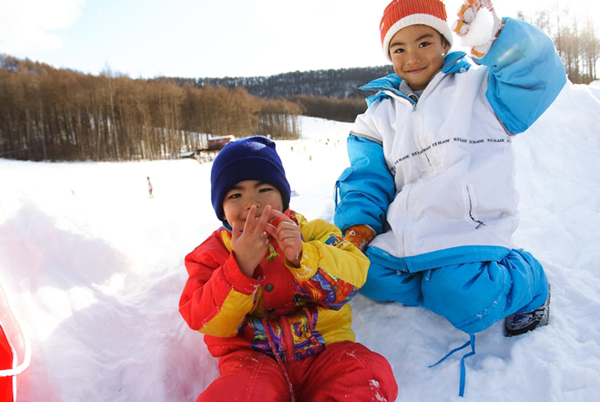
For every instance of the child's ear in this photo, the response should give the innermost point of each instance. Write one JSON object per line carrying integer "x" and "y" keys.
{"x": 445, "y": 44}
{"x": 446, "y": 47}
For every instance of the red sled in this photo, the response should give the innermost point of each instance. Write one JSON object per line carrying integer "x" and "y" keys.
{"x": 13, "y": 347}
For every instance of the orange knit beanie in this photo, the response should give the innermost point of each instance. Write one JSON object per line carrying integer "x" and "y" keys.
{"x": 402, "y": 13}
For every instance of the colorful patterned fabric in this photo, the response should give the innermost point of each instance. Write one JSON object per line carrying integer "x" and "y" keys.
{"x": 332, "y": 292}
{"x": 291, "y": 312}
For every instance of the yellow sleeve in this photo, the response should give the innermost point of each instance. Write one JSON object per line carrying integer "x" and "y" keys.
{"x": 325, "y": 249}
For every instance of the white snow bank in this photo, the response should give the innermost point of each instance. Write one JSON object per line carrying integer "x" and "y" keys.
{"x": 93, "y": 269}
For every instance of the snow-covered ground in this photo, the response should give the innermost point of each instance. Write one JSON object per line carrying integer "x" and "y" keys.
{"x": 93, "y": 270}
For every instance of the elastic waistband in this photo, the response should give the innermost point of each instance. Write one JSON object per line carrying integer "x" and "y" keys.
{"x": 437, "y": 259}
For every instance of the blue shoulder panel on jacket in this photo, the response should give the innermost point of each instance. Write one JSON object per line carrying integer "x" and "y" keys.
{"x": 389, "y": 82}
{"x": 454, "y": 62}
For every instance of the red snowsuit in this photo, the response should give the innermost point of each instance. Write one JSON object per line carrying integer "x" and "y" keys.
{"x": 7, "y": 383}
{"x": 284, "y": 334}
{"x": 15, "y": 353}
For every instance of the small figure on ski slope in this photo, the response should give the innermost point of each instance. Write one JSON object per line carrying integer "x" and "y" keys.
{"x": 270, "y": 291}
{"x": 150, "y": 188}
{"x": 430, "y": 193}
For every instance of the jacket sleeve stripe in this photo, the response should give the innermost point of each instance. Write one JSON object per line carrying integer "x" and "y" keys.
{"x": 230, "y": 316}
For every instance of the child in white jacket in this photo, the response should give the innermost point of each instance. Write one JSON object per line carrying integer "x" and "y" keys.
{"x": 430, "y": 189}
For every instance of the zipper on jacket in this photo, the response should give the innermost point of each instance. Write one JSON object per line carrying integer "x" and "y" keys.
{"x": 281, "y": 365}
{"x": 287, "y": 338}
{"x": 403, "y": 251}
{"x": 387, "y": 89}
{"x": 402, "y": 97}
{"x": 415, "y": 100}
{"x": 418, "y": 134}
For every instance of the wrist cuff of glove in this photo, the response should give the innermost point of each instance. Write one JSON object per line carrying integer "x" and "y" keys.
{"x": 365, "y": 231}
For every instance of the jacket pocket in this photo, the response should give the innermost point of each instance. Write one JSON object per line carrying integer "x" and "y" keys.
{"x": 471, "y": 206}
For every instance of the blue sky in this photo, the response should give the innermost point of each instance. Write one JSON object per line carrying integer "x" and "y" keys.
{"x": 201, "y": 38}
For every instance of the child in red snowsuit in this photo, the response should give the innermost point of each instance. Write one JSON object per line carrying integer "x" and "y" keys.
{"x": 270, "y": 291}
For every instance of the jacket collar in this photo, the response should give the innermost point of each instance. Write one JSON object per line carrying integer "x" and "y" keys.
{"x": 454, "y": 63}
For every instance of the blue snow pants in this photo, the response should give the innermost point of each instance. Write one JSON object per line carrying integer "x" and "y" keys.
{"x": 472, "y": 296}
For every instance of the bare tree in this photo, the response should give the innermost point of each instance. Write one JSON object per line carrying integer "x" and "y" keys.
{"x": 579, "y": 49}
{"x": 61, "y": 114}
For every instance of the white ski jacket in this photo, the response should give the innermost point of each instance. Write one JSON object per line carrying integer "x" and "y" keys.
{"x": 449, "y": 196}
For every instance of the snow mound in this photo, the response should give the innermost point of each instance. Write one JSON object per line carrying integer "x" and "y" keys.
{"x": 93, "y": 270}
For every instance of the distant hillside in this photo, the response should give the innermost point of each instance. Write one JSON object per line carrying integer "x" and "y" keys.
{"x": 340, "y": 84}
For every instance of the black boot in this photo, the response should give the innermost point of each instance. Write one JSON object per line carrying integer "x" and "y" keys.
{"x": 519, "y": 323}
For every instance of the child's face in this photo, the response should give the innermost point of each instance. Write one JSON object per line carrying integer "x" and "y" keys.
{"x": 417, "y": 53}
{"x": 246, "y": 193}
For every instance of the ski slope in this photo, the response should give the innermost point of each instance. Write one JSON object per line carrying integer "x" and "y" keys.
{"x": 93, "y": 270}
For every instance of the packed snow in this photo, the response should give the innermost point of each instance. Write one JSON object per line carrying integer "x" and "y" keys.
{"x": 92, "y": 269}
{"x": 480, "y": 28}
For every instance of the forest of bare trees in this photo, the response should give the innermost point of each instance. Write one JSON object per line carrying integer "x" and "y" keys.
{"x": 63, "y": 115}
{"x": 575, "y": 38}
{"x": 54, "y": 114}
{"x": 331, "y": 108}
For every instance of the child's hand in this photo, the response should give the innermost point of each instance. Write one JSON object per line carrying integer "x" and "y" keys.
{"x": 360, "y": 236}
{"x": 250, "y": 246}
{"x": 288, "y": 236}
{"x": 477, "y": 28}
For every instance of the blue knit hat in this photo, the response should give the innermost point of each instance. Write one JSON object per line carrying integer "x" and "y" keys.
{"x": 252, "y": 158}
